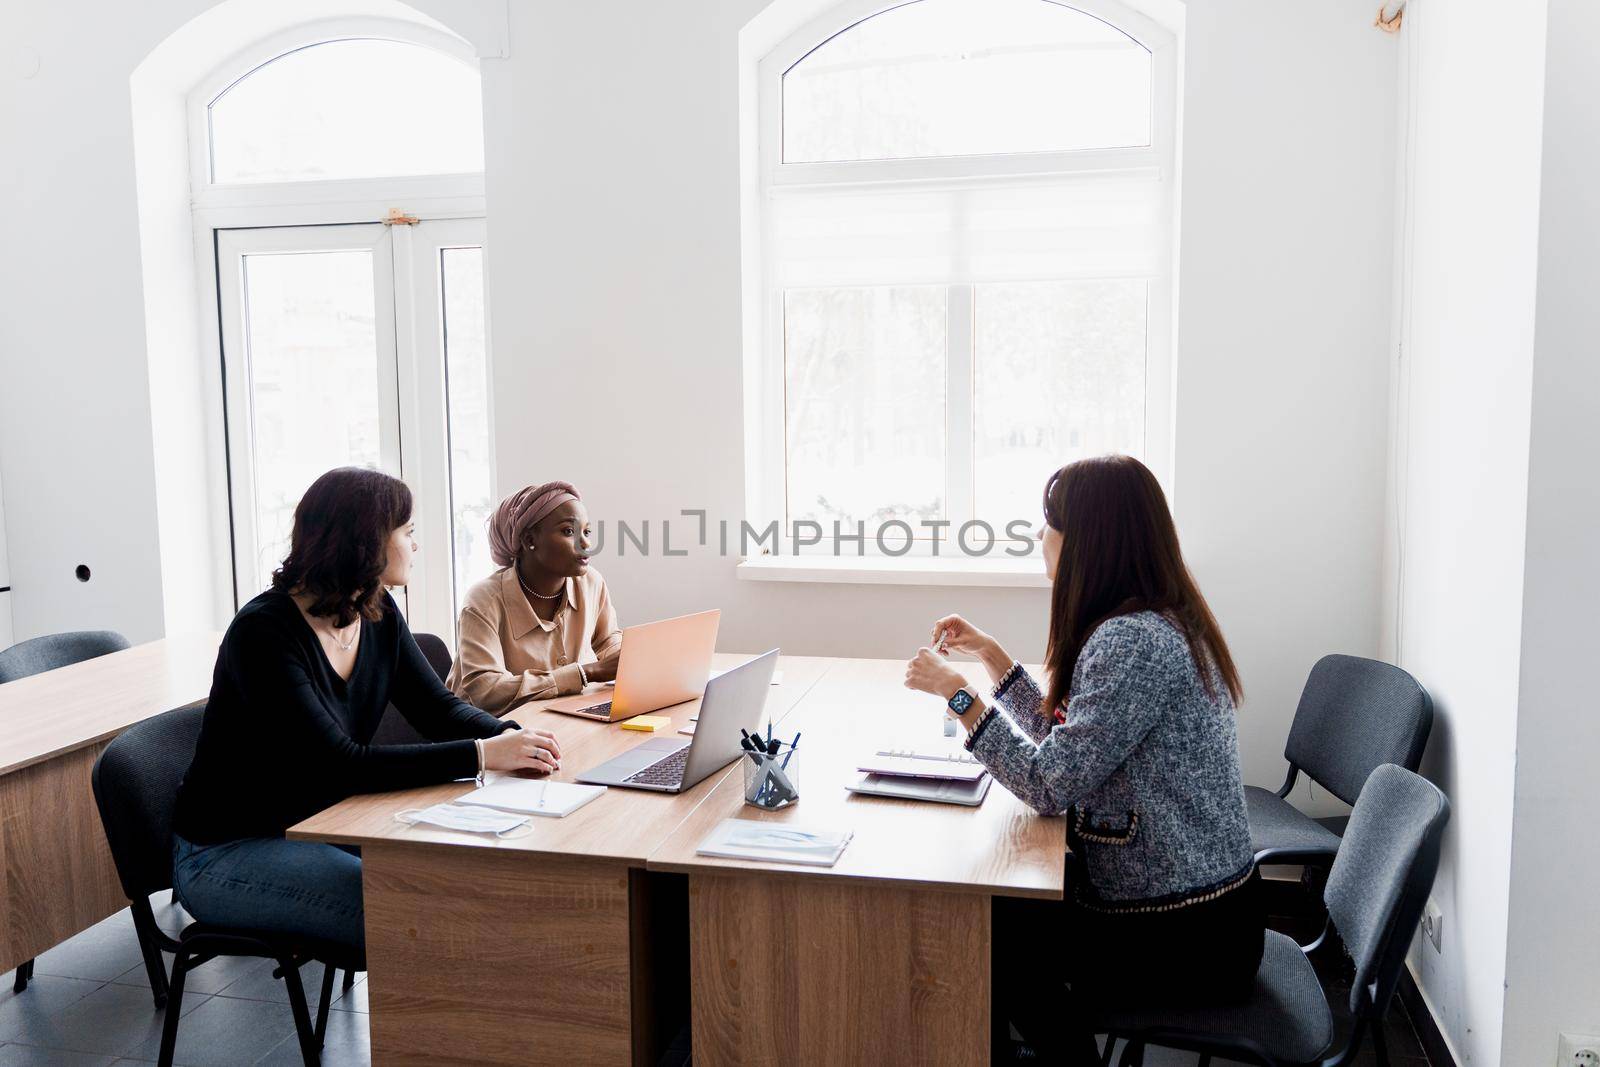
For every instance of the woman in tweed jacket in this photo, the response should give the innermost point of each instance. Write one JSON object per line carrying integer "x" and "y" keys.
{"x": 1135, "y": 742}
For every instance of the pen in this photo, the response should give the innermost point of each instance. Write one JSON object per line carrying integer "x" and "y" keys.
{"x": 944, "y": 635}
{"x": 544, "y": 787}
{"x": 792, "y": 746}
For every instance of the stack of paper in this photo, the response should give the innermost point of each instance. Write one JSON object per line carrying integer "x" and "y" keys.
{"x": 746, "y": 839}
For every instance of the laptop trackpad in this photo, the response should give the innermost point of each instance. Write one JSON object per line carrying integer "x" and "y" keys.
{"x": 641, "y": 756}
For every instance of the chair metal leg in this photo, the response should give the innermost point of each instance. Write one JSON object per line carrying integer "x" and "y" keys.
{"x": 144, "y": 929}
{"x": 310, "y": 1050}
{"x": 349, "y": 980}
{"x": 169, "y": 1025}
{"x": 1133, "y": 1055}
{"x": 327, "y": 998}
{"x": 1379, "y": 1050}
{"x": 24, "y": 974}
{"x": 1111, "y": 1048}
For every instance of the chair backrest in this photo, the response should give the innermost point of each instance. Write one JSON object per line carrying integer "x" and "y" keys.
{"x": 393, "y": 729}
{"x": 437, "y": 653}
{"x": 136, "y": 783}
{"x": 46, "y": 653}
{"x": 1354, "y": 716}
{"x": 1382, "y": 876}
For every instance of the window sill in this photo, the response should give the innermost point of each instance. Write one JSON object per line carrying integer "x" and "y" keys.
{"x": 1025, "y": 573}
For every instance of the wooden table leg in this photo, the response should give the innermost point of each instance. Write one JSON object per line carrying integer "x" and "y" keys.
{"x": 486, "y": 956}
{"x": 805, "y": 971}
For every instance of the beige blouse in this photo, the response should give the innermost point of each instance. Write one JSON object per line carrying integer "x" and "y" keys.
{"x": 509, "y": 655}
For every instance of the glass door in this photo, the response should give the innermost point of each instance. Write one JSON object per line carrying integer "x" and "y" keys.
{"x": 360, "y": 345}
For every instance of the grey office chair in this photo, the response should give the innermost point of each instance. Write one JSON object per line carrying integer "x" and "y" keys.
{"x": 1375, "y": 895}
{"x": 136, "y": 782}
{"x": 1355, "y": 715}
{"x": 393, "y": 729}
{"x": 46, "y": 654}
{"x": 437, "y": 653}
{"x": 57, "y": 650}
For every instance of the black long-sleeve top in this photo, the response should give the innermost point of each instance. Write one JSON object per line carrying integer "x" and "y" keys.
{"x": 285, "y": 737}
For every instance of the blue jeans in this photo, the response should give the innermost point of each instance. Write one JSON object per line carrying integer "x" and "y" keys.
{"x": 272, "y": 885}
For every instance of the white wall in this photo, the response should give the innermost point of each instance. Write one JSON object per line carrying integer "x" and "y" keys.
{"x": 1552, "y": 984}
{"x": 5, "y": 578}
{"x": 75, "y": 436}
{"x": 615, "y": 273}
{"x": 612, "y": 168}
{"x": 1282, "y": 327}
{"x": 1467, "y": 290}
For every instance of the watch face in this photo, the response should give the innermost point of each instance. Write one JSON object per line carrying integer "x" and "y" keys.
{"x": 961, "y": 702}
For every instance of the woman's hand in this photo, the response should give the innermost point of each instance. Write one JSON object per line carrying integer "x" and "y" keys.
{"x": 929, "y": 673}
{"x": 961, "y": 636}
{"x": 522, "y": 750}
{"x": 603, "y": 670}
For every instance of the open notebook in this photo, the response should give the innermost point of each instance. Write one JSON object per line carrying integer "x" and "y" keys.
{"x": 533, "y": 797}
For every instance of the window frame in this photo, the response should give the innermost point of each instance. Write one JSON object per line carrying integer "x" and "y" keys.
{"x": 456, "y": 201}
{"x": 766, "y": 471}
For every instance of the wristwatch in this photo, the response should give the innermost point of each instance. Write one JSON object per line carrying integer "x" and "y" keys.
{"x": 963, "y": 699}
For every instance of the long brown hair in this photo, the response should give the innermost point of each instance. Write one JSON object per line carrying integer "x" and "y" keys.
{"x": 1119, "y": 555}
{"x": 340, "y": 545}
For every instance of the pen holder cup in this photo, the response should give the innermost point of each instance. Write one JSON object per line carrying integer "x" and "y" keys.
{"x": 773, "y": 783}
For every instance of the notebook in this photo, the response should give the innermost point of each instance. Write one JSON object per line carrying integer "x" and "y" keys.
{"x": 938, "y": 790}
{"x": 774, "y": 842}
{"x": 533, "y": 797}
{"x": 909, "y": 763}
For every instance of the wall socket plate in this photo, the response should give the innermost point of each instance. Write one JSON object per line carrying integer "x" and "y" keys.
{"x": 1433, "y": 927}
{"x": 1579, "y": 1050}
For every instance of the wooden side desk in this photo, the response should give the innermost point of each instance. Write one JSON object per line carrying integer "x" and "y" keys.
{"x": 884, "y": 957}
{"x": 58, "y": 875}
{"x": 534, "y": 949}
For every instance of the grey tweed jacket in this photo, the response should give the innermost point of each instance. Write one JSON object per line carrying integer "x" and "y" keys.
{"x": 1144, "y": 763}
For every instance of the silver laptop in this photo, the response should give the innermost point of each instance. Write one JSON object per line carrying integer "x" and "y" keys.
{"x": 733, "y": 701}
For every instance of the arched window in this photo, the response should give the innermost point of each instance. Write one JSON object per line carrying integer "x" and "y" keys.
{"x": 354, "y": 108}
{"x": 957, "y": 78}
{"x": 339, "y": 188}
{"x": 965, "y": 273}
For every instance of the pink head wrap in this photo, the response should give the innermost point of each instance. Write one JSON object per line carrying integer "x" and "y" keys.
{"x": 521, "y": 510}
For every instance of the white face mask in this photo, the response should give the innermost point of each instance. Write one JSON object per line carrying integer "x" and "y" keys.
{"x": 472, "y": 819}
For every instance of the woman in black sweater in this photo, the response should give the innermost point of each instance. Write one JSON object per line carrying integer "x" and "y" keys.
{"x": 303, "y": 677}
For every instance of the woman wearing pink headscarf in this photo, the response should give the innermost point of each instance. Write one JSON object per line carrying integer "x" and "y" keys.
{"x": 542, "y": 625}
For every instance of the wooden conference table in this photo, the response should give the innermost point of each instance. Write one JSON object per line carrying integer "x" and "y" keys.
{"x": 539, "y": 949}
{"x": 58, "y": 877}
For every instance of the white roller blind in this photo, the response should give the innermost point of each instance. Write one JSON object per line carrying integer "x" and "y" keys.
{"x": 1101, "y": 226}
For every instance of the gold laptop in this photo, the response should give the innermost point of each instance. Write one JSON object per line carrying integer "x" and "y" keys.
{"x": 663, "y": 663}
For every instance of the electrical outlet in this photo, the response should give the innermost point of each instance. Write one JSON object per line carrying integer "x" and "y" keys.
{"x": 1579, "y": 1050}
{"x": 1433, "y": 928}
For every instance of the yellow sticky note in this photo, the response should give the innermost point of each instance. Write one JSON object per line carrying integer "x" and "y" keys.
{"x": 648, "y": 723}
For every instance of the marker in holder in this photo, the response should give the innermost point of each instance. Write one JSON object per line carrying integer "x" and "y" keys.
{"x": 771, "y": 772}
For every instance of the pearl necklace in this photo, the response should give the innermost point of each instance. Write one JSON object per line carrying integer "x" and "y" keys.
{"x": 532, "y": 592}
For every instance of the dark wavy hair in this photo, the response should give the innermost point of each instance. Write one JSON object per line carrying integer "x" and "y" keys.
{"x": 340, "y": 544}
{"x": 1119, "y": 555}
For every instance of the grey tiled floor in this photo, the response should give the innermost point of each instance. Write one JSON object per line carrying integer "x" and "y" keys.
{"x": 89, "y": 1006}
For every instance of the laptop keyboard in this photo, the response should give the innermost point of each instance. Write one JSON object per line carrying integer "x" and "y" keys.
{"x": 667, "y": 771}
{"x": 596, "y": 711}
